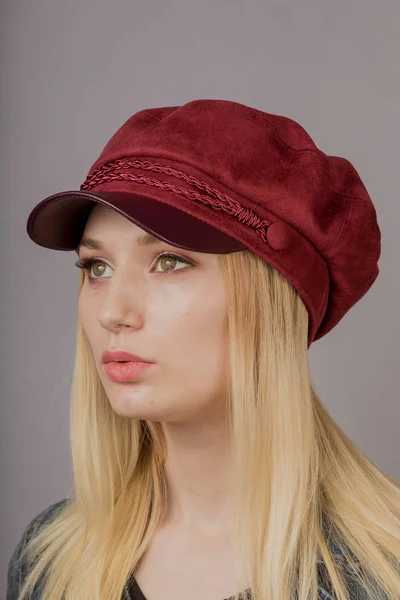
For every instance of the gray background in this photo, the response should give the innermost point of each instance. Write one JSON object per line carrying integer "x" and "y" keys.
{"x": 71, "y": 74}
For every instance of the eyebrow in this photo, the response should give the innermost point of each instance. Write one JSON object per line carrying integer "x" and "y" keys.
{"x": 142, "y": 240}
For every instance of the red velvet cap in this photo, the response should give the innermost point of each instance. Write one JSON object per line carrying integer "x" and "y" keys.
{"x": 218, "y": 176}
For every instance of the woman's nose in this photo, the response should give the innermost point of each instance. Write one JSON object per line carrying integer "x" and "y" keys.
{"x": 123, "y": 302}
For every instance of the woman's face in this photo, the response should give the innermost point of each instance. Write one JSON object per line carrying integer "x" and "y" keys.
{"x": 161, "y": 309}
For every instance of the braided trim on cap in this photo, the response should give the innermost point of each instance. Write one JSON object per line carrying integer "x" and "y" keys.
{"x": 120, "y": 170}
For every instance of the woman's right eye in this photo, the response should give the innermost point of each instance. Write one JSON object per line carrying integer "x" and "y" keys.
{"x": 87, "y": 263}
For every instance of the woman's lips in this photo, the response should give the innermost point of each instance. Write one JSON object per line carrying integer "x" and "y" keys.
{"x": 125, "y": 371}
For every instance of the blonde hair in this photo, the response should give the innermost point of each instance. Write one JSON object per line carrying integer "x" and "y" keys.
{"x": 295, "y": 470}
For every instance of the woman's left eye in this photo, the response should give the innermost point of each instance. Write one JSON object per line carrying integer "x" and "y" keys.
{"x": 174, "y": 258}
{"x": 87, "y": 263}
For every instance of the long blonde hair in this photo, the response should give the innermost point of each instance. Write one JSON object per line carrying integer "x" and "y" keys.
{"x": 295, "y": 470}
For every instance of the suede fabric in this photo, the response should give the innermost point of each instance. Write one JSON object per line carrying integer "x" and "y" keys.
{"x": 253, "y": 176}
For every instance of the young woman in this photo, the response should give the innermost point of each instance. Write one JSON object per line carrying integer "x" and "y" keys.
{"x": 216, "y": 242}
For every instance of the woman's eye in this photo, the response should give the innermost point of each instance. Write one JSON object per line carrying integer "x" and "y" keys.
{"x": 167, "y": 262}
{"x": 87, "y": 263}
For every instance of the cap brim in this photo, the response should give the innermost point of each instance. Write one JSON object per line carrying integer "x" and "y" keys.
{"x": 58, "y": 221}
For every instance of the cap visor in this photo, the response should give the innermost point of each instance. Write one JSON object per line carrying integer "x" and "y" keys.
{"x": 58, "y": 222}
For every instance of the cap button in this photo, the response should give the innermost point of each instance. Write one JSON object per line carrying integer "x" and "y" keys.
{"x": 278, "y": 235}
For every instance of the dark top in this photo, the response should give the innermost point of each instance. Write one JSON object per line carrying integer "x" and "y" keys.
{"x": 17, "y": 569}
{"x": 132, "y": 591}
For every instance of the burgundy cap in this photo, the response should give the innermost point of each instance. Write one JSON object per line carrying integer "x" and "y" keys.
{"x": 218, "y": 176}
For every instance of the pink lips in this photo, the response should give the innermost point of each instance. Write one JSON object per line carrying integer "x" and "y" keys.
{"x": 120, "y": 355}
{"x": 125, "y": 371}
{"x": 121, "y": 365}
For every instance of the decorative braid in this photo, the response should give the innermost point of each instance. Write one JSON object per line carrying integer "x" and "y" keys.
{"x": 121, "y": 170}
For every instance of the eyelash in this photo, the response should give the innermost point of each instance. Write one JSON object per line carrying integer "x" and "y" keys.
{"x": 86, "y": 263}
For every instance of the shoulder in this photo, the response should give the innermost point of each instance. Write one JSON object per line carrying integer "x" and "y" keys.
{"x": 350, "y": 571}
{"x": 16, "y": 566}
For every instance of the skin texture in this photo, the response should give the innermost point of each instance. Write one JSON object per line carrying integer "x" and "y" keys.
{"x": 174, "y": 314}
